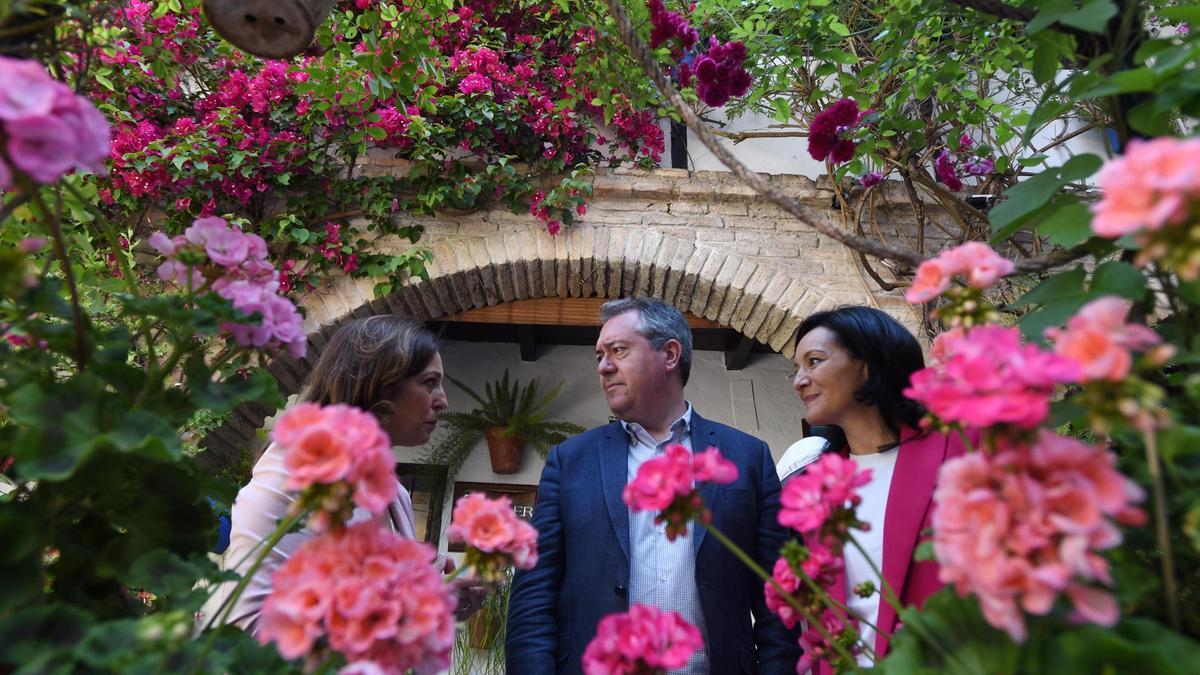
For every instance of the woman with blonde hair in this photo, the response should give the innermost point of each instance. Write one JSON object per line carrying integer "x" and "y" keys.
{"x": 386, "y": 365}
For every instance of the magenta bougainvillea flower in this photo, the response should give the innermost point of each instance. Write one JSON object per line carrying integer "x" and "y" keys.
{"x": 947, "y": 171}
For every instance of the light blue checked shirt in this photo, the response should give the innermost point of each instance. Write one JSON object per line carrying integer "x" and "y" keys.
{"x": 663, "y": 573}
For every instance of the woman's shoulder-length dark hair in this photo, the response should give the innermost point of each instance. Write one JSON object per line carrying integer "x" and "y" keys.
{"x": 890, "y": 351}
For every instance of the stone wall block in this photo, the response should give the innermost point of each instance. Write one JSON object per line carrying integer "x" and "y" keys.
{"x": 520, "y": 282}
{"x": 691, "y": 274}
{"x": 721, "y": 284}
{"x": 613, "y": 261}
{"x": 737, "y": 290}
{"x": 487, "y": 272}
{"x": 652, "y": 241}
{"x": 634, "y": 240}
{"x": 545, "y": 253}
{"x": 683, "y": 253}
{"x": 663, "y": 255}
{"x": 705, "y": 280}
{"x": 584, "y": 243}
{"x": 776, "y": 285}
{"x": 790, "y": 296}
{"x": 596, "y": 278}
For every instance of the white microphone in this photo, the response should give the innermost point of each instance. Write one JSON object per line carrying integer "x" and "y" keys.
{"x": 801, "y": 453}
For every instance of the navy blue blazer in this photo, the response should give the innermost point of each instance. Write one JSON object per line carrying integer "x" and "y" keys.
{"x": 582, "y": 572}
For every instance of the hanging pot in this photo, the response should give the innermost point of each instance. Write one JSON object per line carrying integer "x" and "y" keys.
{"x": 505, "y": 450}
{"x": 272, "y": 29}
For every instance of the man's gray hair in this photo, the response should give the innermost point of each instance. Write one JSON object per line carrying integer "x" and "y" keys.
{"x": 658, "y": 322}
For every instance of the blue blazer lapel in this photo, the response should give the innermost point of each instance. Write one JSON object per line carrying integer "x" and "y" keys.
{"x": 614, "y": 475}
{"x": 704, "y": 435}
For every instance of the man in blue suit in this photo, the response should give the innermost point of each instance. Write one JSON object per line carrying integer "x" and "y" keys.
{"x": 595, "y": 557}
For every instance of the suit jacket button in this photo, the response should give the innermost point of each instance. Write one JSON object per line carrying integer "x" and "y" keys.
{"x": 620, "y": 590}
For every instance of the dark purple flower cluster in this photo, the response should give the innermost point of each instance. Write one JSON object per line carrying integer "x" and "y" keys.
{"x": 719, "y": 73}
{"x": 830, "y": 134}
{"x": 668, "y": 26}
{"x": 946, "y": 165}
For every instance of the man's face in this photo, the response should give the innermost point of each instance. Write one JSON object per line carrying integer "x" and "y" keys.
{"x": 632, "y": 372}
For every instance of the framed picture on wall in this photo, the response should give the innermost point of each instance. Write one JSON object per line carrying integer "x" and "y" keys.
{"x": 522, "y": 497}
{"x": 426, "y": 484}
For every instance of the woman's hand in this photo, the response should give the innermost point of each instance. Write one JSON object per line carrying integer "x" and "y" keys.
{"x": 471, "y": 592}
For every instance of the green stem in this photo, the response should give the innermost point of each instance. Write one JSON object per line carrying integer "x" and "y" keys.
{"x": 1162, "y": 528}
{"x": 814, "y": 622}
{"x": 889, "y": 594}
{"x": 226, "y": 606}
{"x": 60, "y": 250}
{"x": 114, "y": 242}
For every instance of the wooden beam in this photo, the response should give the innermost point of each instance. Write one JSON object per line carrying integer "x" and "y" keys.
{"x": 551, "y": 312}
{"x": 736, "y": 358}
{"x": 528, "y": 341}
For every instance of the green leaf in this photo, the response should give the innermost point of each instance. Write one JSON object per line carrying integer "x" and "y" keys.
{"x": 378, "y": 133}
{"x": 1092, "y": 17}
{"x": 1119, "y": 278}
{"x": 1068, "y": 224}
{"x": 1022, "y": 199}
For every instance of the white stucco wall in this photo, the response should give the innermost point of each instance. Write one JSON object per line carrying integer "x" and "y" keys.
{"x": 757, "y": 399}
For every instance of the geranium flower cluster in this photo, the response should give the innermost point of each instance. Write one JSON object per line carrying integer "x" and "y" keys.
{"x": 966, "y": 306}
{"x": 949, "y": 167}
{"x": 1021, "y": 524}
{"x": 986, "y": 376}
{"x": 496, "y": 538}
{"x": 210, "y": 251}
{"x": 817, "y": 562}
{"x": 818, "y": 648}
{"x": 366, "y": 593}
{"x": 667, "y": 484}
{"x": 642, "y": 641}
{"x": 831, "y": 134}
{"x": 1099, "y": 338}
{"x": 46, "y": 130}
{"x": 1153, "y": 193}
{"x": 819, "y": 503}
{"x": 337, "y": 457}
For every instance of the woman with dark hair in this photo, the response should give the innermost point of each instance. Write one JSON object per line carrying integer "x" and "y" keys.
{"x": 386, "y": 365}
{"x": 852, "y": 367}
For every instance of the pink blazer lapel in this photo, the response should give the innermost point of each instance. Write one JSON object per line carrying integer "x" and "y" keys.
{"x": 909, "y": 497}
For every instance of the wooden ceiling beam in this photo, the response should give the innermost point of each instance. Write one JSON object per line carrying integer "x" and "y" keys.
{"x": 551, "y": 312}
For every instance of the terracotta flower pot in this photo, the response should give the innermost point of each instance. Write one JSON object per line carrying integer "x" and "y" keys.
{"x": 505, "y": 450}
{"x": 273, "y": 29}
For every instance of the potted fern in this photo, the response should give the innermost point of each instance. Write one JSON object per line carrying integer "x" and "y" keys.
{"x": 509, "y": 415}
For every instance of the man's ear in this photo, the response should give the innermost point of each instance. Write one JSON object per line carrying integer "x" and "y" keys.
{"x": 673, "y": 352}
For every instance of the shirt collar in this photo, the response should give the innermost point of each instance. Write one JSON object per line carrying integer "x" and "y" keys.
{"x": 679, "y": 428}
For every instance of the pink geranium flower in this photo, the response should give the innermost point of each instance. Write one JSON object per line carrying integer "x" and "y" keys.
{"x": 975, "y": 260}
{"x": 823, "y": 497}
{"x": 1147, "y": 188}
{"x": 667, "y": 484}
{"x": 1099, "y": 339}
{"x": 1024, "y": 523}
{"x": 368, "y": 594}
{"x": 642, "y": 640}
{"x": 986, "y": 376}
{"x": 341, "y": 450}
{"x": 496, "y": 537}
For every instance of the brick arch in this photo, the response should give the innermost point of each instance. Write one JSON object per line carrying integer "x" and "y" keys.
{"x": 710, "y": 281}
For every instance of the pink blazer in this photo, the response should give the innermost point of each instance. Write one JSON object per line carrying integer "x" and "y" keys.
{"x": 909, "y": 512}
